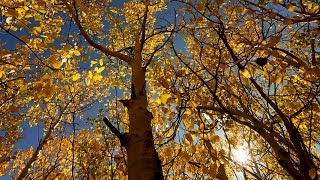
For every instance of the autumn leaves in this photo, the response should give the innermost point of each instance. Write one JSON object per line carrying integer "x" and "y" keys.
{"x": 245, "y": 74}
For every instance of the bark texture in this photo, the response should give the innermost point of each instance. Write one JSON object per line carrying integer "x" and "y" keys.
{"x": 143, "y": 160}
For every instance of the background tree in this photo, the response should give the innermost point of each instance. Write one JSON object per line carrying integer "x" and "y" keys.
{"x": 276, "y": 101}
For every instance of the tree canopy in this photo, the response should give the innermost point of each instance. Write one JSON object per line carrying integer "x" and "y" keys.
{"x": 160, "y": 89}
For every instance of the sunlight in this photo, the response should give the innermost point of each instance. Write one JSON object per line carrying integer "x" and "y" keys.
{"x": 241, "y": 154}
{"x": 206, "y": 116}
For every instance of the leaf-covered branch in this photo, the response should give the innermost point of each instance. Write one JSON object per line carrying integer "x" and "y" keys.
{"x": 106, "y": 51}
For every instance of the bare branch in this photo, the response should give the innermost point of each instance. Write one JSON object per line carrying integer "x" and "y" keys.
{"x": 115, "y": 131}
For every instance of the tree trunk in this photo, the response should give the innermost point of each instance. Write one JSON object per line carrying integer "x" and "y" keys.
{"x": 143, "y": 160}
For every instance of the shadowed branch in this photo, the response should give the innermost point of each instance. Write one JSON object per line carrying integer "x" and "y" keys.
{"x": 114, "y": 130}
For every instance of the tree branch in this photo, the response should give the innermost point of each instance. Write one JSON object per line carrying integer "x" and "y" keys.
{"x": 33, "y": 52}
{"x": 158, "y": 48}
{"x": 143, "y": 27}
{"x": 306, "y": 162}
{"x": 106, "y": 51}
{"x": 220, "y": 110}
{"x": 284, "y": 157}
{"x": 43, "y": 142}
{"x": 115, "y": 131}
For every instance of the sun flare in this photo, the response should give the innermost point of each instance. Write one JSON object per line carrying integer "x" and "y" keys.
{"x": 241, "y": 154}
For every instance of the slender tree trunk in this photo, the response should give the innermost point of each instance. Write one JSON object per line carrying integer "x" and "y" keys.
{"x": 143, "y": 160}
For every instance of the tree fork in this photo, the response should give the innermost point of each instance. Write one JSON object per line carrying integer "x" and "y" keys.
{"x": 115, "y": 131}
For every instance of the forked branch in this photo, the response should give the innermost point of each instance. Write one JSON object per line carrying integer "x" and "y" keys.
{"x": 104, "y": 50}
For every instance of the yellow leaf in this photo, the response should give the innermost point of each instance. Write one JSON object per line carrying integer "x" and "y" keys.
{"x": 99, "y": 70}
{"x": 97, "y": 146}
{"x": 101, "y": 62}
{"x": 28, "y": 15}
{"x": 193, "y": 104}
{"x": 215, "y": 139}
{"x": 168, "y": 152}
{"x": 76, "y": 53}
{"x": 277, "y": 1}
{"x": 36, "y": 30}
{"x": 265, "y": 73}
{"x": 9, "y": 20}
{"x": 2, "y": 73}
{"x": 87, "y": 80}
{"x": 57, "y": 64}
{"x": 189, "y": 137}
{"x": 233, "y": 141}
{"x": 164, "y": 98}
{"x": 291, "y": 7}
{"x": 93, "y": 62}
{"x": 42, "y": 11}
{"x": 222, "y": 151}
{"x": 37, "y": 17}
{"x": 312, "y": 173}
{"x": 46, "y": 77}
{"x": 97, "y": 77}
{"x": 60, "y": 76}
{"x": 192, "y": 149}
{"x": 188, "y": 111}
{"x": 218, "y": 163}
{"x": 22, "y": 11}
{"x": 279, "y": 79}
{"x": 69, "y": 88}
{"x": 27, "y": 67}
{"x": 187, "y": 124}
{"x": 185, "y": 156}
{"x": 246, "y": 73}
{"x": 13, "y": 28}
{"x": 49, "y": 91}
{"x": 90, "y": 75}
{"x": 76, "y": 77}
